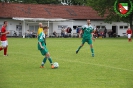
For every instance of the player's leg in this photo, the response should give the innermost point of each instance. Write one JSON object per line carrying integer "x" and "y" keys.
{"x": 43, "y": 52}
{"x": 5, "y": 49}
{"x": 1, "y": 47}
{"x": 43, "y": 62}
{"x": 50, "y": 59}
{"x": 4, "y": 46}
{"x": 130, "y": 38}
{"x": 91, "y": 47}
{"x": 92, "y": 50}
{"x": 83, "y": 41}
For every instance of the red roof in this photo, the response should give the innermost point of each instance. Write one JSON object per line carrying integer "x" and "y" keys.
{"x": 9, "y": 10}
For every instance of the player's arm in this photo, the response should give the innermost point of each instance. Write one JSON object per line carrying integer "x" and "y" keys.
{"x": 3, "y": 33}
{"x": 41, "y": 45}
{"x": 80, "y": 33}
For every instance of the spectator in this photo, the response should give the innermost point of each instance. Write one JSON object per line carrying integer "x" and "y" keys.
{"x": 105, "y": 31}
{"x": 69, "y": 30}
{"x": 110, "y": 33}
{"x": 62, "y": 33}
{"x": 28, "y": 34}
{"x": 77, "y": 31}
{"x": 55, "y": 34}
{"x": 96, "y": 33}
{"x": 101, "y": 34}
{"x": 66, "y": 33}
{"x": 33, "y": 34}
{"x": 15, "y": 34}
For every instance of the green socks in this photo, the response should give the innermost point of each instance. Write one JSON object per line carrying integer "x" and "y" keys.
{"x": 79, "y": 48}
{"x": 92, "y": 50}
{"x": 50, "y": 60}
{"x": 44, "y": 61}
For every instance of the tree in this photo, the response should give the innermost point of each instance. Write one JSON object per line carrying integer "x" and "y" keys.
{"x": 105, "y": 8}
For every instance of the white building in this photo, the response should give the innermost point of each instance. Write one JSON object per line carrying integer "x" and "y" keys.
{"x": 23, "y": 17}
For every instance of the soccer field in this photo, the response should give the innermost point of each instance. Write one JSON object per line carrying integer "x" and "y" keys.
{"x": 112, "y": 66}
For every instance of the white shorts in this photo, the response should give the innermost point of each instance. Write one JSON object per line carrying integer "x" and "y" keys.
{"x": 129, "y": 35}
{"x": 4, "y": 43}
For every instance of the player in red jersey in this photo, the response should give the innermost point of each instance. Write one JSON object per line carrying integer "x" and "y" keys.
{"x": 4, "y": 41}
{"x": 129, "y": 34}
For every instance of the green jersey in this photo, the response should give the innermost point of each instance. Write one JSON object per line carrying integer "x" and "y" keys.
{"x": 41, "y": 38}
{"x": 87, "y": 30}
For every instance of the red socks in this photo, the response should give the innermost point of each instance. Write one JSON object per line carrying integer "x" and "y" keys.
{"x": 129, "y": 40}
{"x": 1, "y": 48}
{"x": 5, "y": 51}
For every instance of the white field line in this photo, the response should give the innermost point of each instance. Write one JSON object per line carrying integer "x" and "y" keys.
{"x": 76, "y": 62}
{"x": 99, "y": 65}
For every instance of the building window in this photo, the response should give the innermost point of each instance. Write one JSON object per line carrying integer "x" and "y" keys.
{"x": 102, "y": 27}
{"x": 98, "y": 27}
{"x": 125, "y": 27}
{"x": 62, "y": 27}
{"x": 74, "y": 27}
{"x": 121, "y": 27}
{"x": 33, "y": 28}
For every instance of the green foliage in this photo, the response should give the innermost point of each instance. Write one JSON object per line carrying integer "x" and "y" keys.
{"x": 112, "y": 66}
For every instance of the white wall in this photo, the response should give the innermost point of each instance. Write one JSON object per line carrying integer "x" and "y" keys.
{"x": 11, "y": 25}
{"x": 54, "y": 26}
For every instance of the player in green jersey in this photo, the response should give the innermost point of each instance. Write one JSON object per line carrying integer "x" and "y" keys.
{"x": 87, "y": 31}
{"x": 43, "y": 49}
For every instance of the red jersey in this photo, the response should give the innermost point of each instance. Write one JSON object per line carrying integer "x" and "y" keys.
{"x": 129, "y": 31}
{"x": 3, "y": 37}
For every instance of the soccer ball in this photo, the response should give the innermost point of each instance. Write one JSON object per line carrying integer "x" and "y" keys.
{"x": 56, "y": 65}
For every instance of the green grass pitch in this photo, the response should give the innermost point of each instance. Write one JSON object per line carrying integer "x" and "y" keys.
{"x": 112, "y": 66}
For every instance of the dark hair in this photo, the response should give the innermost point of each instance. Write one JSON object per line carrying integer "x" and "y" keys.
{"x": 45, "y": 27}
{"x": 5, "y": 22}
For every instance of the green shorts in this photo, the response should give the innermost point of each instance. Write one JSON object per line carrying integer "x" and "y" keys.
{"x": 44, "y": 51}
{"x": 89, "y": 41}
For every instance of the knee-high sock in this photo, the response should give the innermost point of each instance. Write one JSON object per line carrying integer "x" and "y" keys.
{"x": 50, "y": 60}
{"x": 130, "y": 39}
{"x": 92, "y": 50}
{"x": 5, "y": 51}
{"x": 44, "y": 61}
{"x": 1, "y": 48}
{"x": 79, "y": 48}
